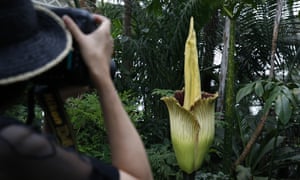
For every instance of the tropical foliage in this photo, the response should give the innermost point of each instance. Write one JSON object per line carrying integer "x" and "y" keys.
{"x": 248, "y": 52}
{"x": 154, "y": 50}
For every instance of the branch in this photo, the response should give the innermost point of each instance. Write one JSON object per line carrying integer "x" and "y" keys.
{"x": 252, "y": 140}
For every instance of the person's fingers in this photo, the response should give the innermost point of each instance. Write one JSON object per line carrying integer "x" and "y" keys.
{"x": 103, "y": 22}
{"x": 73, "y": 28}
{"x": 99, "y": 19}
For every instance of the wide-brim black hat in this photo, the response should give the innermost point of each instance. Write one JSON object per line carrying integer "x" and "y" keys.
{"x": 32, "y": 40}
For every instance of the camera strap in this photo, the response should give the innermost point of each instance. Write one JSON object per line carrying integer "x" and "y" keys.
{"x": 56, "y": 119}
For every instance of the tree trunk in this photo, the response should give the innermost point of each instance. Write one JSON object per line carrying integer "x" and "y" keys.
{"x": 127, "y": 62}
{"x": 82, "y": 3}
{"x": 229, "y": 113}
{"x": 275, "y": 37}
{"x": 87, "y": 4}
{"x": 224, "y": 66}
{"x": 127, "y": 17}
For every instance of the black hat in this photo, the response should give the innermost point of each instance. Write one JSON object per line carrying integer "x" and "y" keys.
{"x": 32, "y": 40}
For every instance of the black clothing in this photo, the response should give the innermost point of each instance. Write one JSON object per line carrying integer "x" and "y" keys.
{"x": 47, "y": 157}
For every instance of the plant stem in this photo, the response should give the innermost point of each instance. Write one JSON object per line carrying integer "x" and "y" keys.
{"x": 187, "y": 176}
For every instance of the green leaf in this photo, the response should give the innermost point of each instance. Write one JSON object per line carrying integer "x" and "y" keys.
{"x": 272, "y": 97}
{"x": 227, "y": 12}
{"x": 289, "y": 94}
{"x": 296, "y": 93}
{"x": 266, "y": 148}
{"x": 269, "y": 85}
{"x": 259, "y": 90}
{"x": 244, "y": 92}
{"x": 283, "y": 109}
{"x": 163, "y": 92}
{"x": 156, "y": 7}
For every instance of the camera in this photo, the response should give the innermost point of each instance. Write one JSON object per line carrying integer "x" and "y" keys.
{"x": 72, "y": 70}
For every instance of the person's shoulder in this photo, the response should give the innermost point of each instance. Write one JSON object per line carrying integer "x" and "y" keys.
{"x": 7, "y": 121}
{"x": 5, "y": 146}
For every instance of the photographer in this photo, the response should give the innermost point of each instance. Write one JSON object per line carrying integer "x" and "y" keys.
{"x": 32, "y": 41}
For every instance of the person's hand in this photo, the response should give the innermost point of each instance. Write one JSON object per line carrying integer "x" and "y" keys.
{"x": 96, "y": 47}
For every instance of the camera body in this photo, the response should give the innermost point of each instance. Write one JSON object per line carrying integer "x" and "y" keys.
{"x": 72, "y": 70}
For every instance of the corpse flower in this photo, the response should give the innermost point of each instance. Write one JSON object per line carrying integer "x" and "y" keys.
{"x": 191, "y": 113}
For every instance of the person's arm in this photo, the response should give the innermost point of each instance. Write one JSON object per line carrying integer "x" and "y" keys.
{"x": 128, "y": 152}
